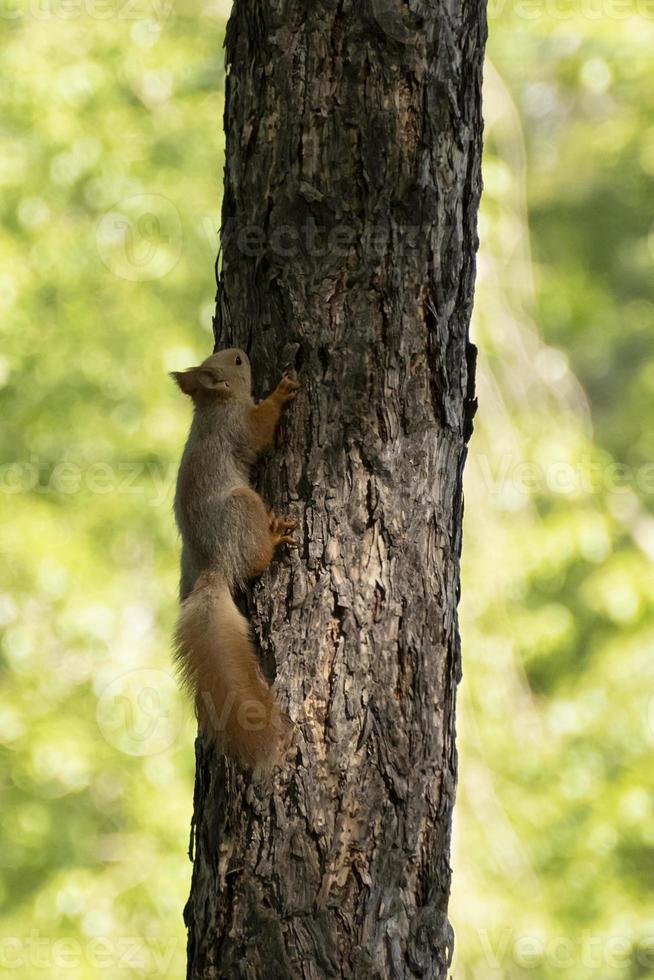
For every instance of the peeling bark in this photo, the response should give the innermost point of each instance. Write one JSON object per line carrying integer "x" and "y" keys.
{"x": 349, "y": 236}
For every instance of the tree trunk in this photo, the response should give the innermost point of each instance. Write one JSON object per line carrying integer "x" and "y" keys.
{"x": 349, "y": 235}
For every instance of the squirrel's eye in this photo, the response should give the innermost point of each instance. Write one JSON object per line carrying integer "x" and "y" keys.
{"x": 238, "y": 360}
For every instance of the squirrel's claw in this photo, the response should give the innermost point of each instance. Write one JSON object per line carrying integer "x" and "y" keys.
{"x": 280, "y": 528}
{"x": 287, "y": 388}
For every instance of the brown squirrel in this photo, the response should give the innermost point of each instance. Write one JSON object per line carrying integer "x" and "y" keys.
{"x": 228, "y": 537}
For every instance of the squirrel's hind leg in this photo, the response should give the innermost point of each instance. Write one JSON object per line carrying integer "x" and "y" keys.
{"x": 259, "y": 532}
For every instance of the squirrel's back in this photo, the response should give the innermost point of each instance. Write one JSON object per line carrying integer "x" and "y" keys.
{"x": 217, "y": 451}
{"x": 216, "y": 460}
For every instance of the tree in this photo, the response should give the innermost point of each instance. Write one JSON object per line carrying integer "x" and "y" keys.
{"x": 348, "y": 247}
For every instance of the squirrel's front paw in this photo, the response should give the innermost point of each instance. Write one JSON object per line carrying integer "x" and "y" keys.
{"x": 287, "y": 389}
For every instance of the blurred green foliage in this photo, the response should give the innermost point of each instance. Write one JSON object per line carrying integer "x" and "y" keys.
{"x": 110, "y": 174}
{"x": 554, "y": 836}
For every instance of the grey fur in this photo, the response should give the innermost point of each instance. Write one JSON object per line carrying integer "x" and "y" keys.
{"x": 215, "y": 526}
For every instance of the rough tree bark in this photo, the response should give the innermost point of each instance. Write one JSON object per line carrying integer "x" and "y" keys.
{"x": 349, "y": 236}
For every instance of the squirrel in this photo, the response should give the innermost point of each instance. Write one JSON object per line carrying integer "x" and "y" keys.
{"x": 228, "y": 537}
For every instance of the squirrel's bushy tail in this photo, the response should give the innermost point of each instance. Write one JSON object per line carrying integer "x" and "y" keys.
{"x": 219, "y": 666}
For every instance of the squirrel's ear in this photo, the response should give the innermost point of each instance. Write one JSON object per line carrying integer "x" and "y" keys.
{"x": 187, "y": 380}
{"x": 197, "y": 378}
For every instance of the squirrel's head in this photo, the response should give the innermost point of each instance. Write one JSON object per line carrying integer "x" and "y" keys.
{"x": 223, "y": 375}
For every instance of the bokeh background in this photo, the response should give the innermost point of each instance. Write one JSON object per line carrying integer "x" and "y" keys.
{"x": 110, "y": 174}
